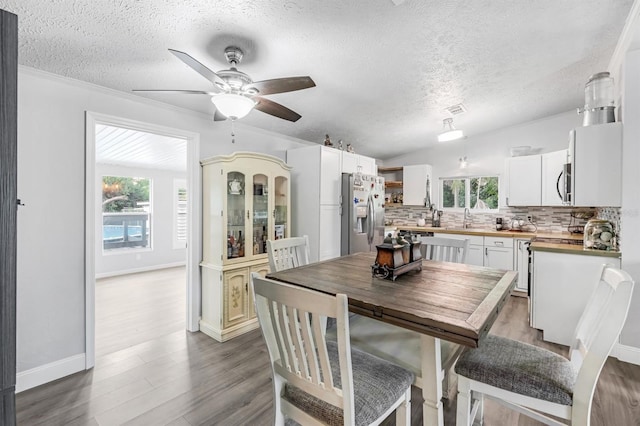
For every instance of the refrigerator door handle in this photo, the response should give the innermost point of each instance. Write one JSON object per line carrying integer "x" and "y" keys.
{"x": 371, "y": 213}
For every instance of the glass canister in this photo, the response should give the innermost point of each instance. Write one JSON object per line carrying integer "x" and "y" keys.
{"x": 599, "y": 235}
{"x": 599, "y": 91}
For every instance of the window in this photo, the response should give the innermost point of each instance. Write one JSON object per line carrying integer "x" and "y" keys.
{"x": 179, "y": 213}
{"x": 478, "y": 193}
{"x": 125, "y": 212}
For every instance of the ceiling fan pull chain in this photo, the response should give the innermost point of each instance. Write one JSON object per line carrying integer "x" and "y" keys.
{"x": 233, "y": 133}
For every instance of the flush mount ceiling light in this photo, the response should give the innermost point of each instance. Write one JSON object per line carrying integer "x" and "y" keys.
{"x": 450, "y": 133}
{"x": 233, "y": 106}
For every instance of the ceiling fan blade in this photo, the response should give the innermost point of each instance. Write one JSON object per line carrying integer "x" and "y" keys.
{"x": 281, "y": 85}
{"x": 214, "y": 78}
{"x": 217, "y": 116}
{"x": 182, "y": 92}
{"x": 273, "y": 108}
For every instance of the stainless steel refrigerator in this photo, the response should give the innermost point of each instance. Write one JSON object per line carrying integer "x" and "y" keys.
{"x": 362, "y": 210}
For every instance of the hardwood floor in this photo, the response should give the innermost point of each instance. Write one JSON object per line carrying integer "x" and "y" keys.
{"x": 179, "y": 378}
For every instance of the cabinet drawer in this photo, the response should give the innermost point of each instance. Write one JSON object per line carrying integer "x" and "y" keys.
{"x": 473, "y": 239}
{"x": 498, "y": 242}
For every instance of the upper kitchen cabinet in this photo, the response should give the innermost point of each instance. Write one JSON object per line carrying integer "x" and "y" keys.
{"x": 552, "y": 177}
{"x": 413, "y": 182}
{"x": 595, "y": 157}
{"x": 353, "y": 163}
{"x": 524, "y": 182}
{"x": 416, "y": 185}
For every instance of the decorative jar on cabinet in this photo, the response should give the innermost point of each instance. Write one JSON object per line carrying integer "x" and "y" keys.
{"x": 246, "y": 201}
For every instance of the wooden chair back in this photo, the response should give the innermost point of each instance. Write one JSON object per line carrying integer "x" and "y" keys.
{"x": 596, "y": 334}
{"x": 445, "y": 249}
{"x": 288, "y": 253}
{"x": 290, "y": 319}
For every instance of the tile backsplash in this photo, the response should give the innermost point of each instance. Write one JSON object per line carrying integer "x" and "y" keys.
{"x": 547, "y": 219}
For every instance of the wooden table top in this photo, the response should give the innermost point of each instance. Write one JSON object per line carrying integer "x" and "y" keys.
{"x": 452, "y": 301}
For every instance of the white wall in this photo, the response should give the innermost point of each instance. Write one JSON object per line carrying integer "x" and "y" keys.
{"x": 486, "y": 153}
{"x": 51, "y": 155}
{"x": 630, "y": 213}
{"x": 161, "y": 254}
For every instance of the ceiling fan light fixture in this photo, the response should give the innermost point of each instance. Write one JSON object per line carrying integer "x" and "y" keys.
{"x": 450, "y": 133}
{"x": 233, "y": 106}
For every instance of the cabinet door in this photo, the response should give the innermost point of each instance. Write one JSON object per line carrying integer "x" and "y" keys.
{"x": 281, "y": 214}
{"x": 367, "y": 165}
{"x": 499, "y": 258}
{"x": 414, "y": 185}
{"x": 349, "y": 162}
{"x": 552, "y": 163}
{"x": 524, "y": 181}
{"x": 329, "y": 244}
{"x": 521, "y": 262}
{"x": 235, "y": 296}
{"x": 238, "y": 183}
{"x": 330, "y": 176}
{"x": 262, "y": 270}
{"x": 475, "y": 256}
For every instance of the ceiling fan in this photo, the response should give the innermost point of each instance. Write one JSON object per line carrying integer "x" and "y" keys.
{"x": 235, "y": 94}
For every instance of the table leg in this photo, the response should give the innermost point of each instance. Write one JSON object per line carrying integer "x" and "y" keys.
{"x": 432, "y": 410}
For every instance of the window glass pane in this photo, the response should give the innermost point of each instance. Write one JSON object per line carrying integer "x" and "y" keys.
{"x": 453, "y": 193}
{"x": 125, "y": 212}
{"x": 260, "y": 213}
{"x": 484, "y": 192}
{"x": 281, "y": 197}
{"x": 236, "y": 214}
{"x": 180, "y": 200}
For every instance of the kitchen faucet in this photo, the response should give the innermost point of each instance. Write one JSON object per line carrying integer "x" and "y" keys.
{"x": 467, "y": 218}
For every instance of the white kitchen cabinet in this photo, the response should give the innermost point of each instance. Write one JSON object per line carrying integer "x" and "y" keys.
{"x": 562, "y": 284}
{"x": 245, "y": 202}
{"x": 476, "y": 254}
{"x": 521, "y": 263}
{"x": 498, "y": 252}
{"x": 416, "y": 185}
{"x": 524, "y": 181}
{"x": 315, "y": 193}
{"x": 351, "y": 162}
{"x": 595, "y": 153}
{"x": 552, "y": 181}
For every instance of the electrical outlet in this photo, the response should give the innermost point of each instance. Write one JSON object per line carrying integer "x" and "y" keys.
{"x": 530, "y": 218}
{"x": 410, "y": 215}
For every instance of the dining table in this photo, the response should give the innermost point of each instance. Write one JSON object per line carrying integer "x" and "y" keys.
{"x": 441, "y": 301}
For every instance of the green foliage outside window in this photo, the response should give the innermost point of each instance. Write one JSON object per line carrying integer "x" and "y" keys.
{"x": 480, "y": 193}
{"x": 125, "y": 194}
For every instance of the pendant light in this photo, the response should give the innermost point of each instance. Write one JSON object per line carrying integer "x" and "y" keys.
{"x": 450, "y": 133}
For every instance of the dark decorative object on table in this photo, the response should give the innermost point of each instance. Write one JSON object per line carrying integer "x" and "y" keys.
{"x": 393, "y": 260}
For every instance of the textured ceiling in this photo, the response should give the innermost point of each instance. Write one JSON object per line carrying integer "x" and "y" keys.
{"x": 384, "y": 73}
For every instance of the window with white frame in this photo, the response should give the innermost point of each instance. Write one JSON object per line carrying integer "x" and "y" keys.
{"x": 472, "y": 192}
{"x": 180, "y": 213}
{"x": 126, "y": 210}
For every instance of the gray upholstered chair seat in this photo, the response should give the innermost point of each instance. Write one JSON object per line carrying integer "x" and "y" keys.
{"x": 377, "y": 385}
{"x": 519, "y": 368}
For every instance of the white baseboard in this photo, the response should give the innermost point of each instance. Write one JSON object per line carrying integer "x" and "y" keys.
{"x": 626, "y": 353}
{"x": 49, "y": 372}
{"x": 143, "y": 269}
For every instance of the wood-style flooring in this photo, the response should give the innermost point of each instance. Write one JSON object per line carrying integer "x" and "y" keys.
{"x": 173, "y": 377}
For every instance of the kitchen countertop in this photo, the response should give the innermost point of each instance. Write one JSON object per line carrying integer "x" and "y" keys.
{"x": 540, "y": 246}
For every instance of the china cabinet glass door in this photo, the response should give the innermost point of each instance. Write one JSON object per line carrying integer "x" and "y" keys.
{"x": 280, "y": 212}
{"x": 260, "y": 214}
{"x": 235, "y": 215}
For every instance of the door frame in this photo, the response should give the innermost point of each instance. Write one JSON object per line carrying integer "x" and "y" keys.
{"x": 194, "y": 242}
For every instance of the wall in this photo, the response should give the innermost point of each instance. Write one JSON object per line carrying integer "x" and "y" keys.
{"x": 162, "y": 253}
{"x": 50, "y": 253}
{"x": 630, "y": 214}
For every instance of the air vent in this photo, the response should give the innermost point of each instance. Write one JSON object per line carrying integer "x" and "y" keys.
{"x": 456, "y": 109}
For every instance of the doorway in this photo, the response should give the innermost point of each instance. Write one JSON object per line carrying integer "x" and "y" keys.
{"x": 131, "y": 243}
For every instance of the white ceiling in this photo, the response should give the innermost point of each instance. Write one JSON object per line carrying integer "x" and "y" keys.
{"x": 384, "y": 73}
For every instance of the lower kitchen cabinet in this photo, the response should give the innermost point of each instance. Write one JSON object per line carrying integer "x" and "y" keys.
{"x": 227, "y": 300}
{"x": 494, "y": 252}
{"x": 561, "y": 286}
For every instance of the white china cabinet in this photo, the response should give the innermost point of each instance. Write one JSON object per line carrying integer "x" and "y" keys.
{"x": 246, "y": 201}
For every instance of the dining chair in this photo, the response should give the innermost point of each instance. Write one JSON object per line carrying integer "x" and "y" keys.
{"x": 403, "y": 346}
{"x": 537, "y": 382}
{"x": 287, "y": 253}
{"x": 444, "y": 249}
{"x": 322, "y": 381}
